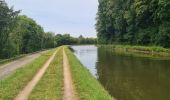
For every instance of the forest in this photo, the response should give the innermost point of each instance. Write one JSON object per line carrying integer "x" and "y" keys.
{"x": 134, "y": 22}
{"x": 20, "y": 34}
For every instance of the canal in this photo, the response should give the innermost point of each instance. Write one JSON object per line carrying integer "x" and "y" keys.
{"x": 127, "y": 77}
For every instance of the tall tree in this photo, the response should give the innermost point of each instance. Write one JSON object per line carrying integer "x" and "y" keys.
{"x": 32, "y": 34}
{"x": 144, "y": 22}
{"x": 7, "y": 22}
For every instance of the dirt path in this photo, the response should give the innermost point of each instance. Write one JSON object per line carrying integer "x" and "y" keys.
{"x": 9, "y": 68}
{"x": 24, "y": 94}
{"x": 69, "y": 89}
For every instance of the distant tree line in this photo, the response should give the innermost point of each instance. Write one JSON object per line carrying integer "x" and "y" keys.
{"x": 143, "y": 22}
{"x": 66, "y": 39}
{"x": 20, "y": 34}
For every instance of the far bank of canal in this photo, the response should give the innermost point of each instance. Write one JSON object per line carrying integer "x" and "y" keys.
{"x": 127, "y": 77}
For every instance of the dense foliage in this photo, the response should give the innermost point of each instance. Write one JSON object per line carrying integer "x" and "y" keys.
{"x": 143, "y": 22}
{"x": 7, "y": 21}
{"x": 20, "y": 34}
{"x": 66, "y": 39}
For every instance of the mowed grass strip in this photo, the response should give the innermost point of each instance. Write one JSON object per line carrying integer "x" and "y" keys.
{"x": 13, "y": 84}
{"x": 87, "y": 87}
{"x": 5, "y": 61}
{"x": 50, "y": 87}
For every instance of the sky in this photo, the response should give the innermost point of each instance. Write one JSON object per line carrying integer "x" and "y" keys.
{"x": 76, "y": 17}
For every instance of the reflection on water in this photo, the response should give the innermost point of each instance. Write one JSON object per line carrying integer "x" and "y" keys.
{"x": 88, "y": 56}
{"x": 127, "y": 77}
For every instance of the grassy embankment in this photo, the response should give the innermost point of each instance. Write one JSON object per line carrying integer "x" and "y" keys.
{"x": 50, "y": 87}
{"x": 4, "y": 61}
{"x": 87, "y": 87}
{"x": 147, "y": 51}
{"x": 11, "y": 86}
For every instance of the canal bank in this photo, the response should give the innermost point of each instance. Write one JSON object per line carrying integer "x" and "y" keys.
{"x": 127, "y": 77}
{"x": 145, "y": 51}
{"x": 87, "y": 87}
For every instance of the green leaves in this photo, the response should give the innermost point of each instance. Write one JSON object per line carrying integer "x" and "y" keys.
{"x": 21, "y": 34}
{"x": 7, "y": 21}
{"x": 141, "y": 22}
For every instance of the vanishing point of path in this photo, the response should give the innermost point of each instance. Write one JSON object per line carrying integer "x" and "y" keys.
{"x": 69, "y": 89}
{"x": 7, "y": 69}
{"x": 24, "y": 94}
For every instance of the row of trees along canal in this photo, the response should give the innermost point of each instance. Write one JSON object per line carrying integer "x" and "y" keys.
{"x": 20, "y": 34}
{"x": 135, "y": 22}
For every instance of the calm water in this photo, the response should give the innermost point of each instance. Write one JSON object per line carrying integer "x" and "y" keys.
{"x": 127, "y": 77}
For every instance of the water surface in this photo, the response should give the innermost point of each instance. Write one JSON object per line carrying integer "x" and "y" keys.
{"x": 88, "y": 57}
{"x": 127, "y": 77}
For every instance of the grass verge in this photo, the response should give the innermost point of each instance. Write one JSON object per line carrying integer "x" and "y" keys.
{"x": 11, "y": 86}
{"x": 50, "y": 87}
{"x": 146, "y": 51}
{"x": 4, "y": 61}
{"x": 87, "y": 87}
{"x": 142, "y": 48}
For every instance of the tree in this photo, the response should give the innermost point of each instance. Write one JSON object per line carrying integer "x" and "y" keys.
{"x": 164, "y": 28}
{"x": 105, "y": 22}
{"x": 7, "y": 22}
{"x": 144, "y": 22}
{"x": 21, "y": 34}
{"x": 49, "y": 40}
{"x": 32, "y": 34}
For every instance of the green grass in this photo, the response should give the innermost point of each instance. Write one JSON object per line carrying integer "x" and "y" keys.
{"x": 11, "y": 86}
{"x": 4, "y": 61}
{"x": 50, "y": 87}
{"x": 139, "y": 51}
{"x": 142, "y": 48}
{"x": 87, "y": 87}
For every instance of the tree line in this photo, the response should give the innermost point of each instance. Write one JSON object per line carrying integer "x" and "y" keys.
{"x": 20, "y": 34}
{"x": 143, "y": 22}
